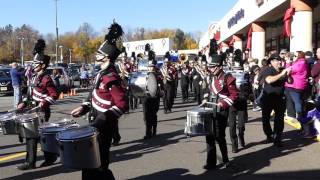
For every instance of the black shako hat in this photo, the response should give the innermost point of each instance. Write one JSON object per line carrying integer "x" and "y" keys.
{"x": 112, "y": 45}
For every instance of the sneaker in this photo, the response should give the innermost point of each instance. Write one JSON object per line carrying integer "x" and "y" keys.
{"x": 47, "y": 163}
{"x": 256, "y": 109}
{"x": 26, "y": 166}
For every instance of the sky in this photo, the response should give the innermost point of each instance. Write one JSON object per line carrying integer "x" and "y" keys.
{"x": 188, "y": 15}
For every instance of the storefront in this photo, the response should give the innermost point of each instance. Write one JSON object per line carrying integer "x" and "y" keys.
{"x": 260, "y": 26}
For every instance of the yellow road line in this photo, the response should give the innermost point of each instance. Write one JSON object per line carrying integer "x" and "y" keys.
{"x": 13, "y": 156}
{"x": 292, "y": 123}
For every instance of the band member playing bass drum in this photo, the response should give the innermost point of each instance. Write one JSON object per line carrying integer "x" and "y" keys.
{"x": 151, "y": 103}
{"x": 107, "y": 100}
{"x": 223, "y": 89}
{"x": 42, "y": 93}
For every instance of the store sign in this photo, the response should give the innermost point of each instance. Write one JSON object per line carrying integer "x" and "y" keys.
{"x": 234, "y": 20}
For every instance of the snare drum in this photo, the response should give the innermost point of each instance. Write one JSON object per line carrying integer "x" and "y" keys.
{"x": 79, "y": 148}
{"x": 28, "y": 125}
{"x": 49, "y": 131}
{"x": 199, "y": 122}
{"x": 9, "y": 124}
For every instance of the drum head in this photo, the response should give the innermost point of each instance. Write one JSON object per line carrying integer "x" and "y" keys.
{"x": 76, "y": 133}
{"x": 7, "y": 116}
{"x": 28, "y": 117}
{"x": 152, "y": 85}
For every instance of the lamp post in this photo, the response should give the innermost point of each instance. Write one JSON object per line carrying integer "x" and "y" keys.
{"x": 57, "y": 34}
{"x": 21, "y": 49}
{"x": 70, "y": 53}
{"x": 61, "y": 56}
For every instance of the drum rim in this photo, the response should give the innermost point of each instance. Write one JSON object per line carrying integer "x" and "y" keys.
{"x": 95, "y": 132}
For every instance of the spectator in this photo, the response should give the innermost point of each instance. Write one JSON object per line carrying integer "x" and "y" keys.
{"x": 294, "y": 92}
{"x": 84, "y": 77}
{"x": 315, "y": 73}
{"x": 273, "y": 99}
{"x": 16, "y": 77}
{"x": 56, "y": 78}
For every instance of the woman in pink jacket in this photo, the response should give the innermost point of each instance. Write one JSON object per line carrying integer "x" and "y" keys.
{"x": 299, "y": 74}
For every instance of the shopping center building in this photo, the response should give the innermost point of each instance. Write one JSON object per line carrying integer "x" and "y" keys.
{"x": 265, "y": 25}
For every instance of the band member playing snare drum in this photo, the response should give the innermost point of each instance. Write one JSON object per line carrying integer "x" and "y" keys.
{"x": 43, "y": 93}
{"x": 108, "y": 100}
{"x": 223, "y": 87}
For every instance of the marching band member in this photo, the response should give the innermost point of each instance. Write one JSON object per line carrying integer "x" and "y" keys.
{"x": 43, "y": 93}
{"x": 151, "y": 104}
{"x": 169, "y": 75}
{"x": 107, "y": 100}
{"x": 223, "y": 89}
{"x": 185, "y": 75}
{"x": 196, "y": 81}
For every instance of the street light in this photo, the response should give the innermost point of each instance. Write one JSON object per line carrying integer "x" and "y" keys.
{"x": 70, "y": 53}
{"x": 57, "y": 34}
{"x": 21, "y": 49}
{"x": 61, "y": 56}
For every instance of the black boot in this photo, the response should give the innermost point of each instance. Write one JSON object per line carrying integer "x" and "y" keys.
{"x": 241, "y": 140}
{"x": 154, "y": 130}
{"x": 277, "y": 141}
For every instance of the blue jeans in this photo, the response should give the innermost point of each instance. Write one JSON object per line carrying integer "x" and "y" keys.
{"x": 297, "y": 100}
{"x": 17, "y": 95}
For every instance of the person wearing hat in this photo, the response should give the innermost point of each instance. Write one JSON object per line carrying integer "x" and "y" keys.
{"x": 196, "y": 78}
{"x": 185, "y": 80}
{"x": 273, "y": 98}
{"x": 223, "y": 90}
{"x": 151, "y": 104}
{"x": 42, "y": 94}
{"x": 107, "y": 101}
{"x": 169, "y": 75}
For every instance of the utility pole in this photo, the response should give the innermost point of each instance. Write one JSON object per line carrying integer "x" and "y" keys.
{"x": 70, "y": 52}
{"x": 61, "y": 56}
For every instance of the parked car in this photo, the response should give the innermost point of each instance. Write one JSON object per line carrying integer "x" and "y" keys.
{"x": 5, "y": 83}
{"x": 65, "y": 82}
{"x": 6, "y": 77}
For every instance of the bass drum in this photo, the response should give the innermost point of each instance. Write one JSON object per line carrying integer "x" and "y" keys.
{"x": 143, "y": 84}
{"x": 152, "y": 85}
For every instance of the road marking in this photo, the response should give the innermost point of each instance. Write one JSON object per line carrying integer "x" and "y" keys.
{"x": 292, "y": 123}
{"x": 13, "y": 156}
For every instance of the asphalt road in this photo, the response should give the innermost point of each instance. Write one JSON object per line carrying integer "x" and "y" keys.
{"x": 171, "y": 155}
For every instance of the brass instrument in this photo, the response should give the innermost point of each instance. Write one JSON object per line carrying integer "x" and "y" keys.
{"x": 165, "y": 74}
{"x": 183, "y": 58}
{"x": 123, "y": 71}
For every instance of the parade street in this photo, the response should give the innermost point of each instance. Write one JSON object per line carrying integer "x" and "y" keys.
{"x": 171, "y": 155}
